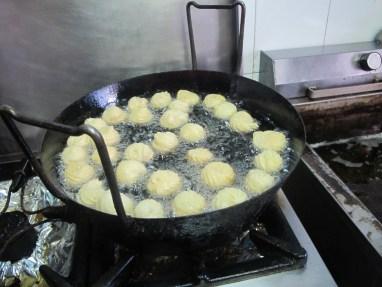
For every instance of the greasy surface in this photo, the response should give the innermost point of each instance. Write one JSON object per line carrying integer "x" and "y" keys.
{"x": 200, "y": 229}
{"x": 358, "y": 162}
{"x": 337, "y": 222}
{"x": 341, "y": 117}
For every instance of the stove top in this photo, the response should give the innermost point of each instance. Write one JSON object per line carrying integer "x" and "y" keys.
{"x": 268, "y": 247}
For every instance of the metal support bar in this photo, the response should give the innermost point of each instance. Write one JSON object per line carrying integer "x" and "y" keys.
{"x": 314, "y": 93}
{"x": 8, "y": 114}
{"x": 239, "y": 45}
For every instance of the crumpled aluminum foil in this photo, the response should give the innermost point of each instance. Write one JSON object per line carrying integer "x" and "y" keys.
{"x": 55, "y": 239}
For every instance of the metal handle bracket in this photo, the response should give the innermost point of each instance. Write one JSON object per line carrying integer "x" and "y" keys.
{"x": 239, "y": 46}
{"x": 9, "y": 115}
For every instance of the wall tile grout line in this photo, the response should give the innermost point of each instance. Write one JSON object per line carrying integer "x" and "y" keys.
{"x": 254, "y": 39}
{"x": 327, "y": 22}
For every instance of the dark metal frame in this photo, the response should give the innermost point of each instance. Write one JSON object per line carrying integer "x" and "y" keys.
{"x": 9, "y": 115}
{"x": 239, "y": 47}
{"x": 273, "y": 238}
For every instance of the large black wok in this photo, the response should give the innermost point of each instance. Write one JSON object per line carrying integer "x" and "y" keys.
{"x": 199, "y": 229}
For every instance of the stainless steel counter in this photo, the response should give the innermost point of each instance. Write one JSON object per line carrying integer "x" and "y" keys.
{"x": 315, "y": 273}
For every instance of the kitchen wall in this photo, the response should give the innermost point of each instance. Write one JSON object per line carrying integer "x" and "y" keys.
{"x": 52, "y": 52}
{"x": 282, "y": 24}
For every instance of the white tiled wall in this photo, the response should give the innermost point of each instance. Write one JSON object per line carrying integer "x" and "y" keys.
{"x": 249, "y": 37}
{"x": 281, "y": 24}
{"x": 353, "y": 20}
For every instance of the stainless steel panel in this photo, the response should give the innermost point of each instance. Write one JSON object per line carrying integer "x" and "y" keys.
{"x": 53, "y": 52}
{"x": 292, "y": 71}
{"x": 314, "y": 93}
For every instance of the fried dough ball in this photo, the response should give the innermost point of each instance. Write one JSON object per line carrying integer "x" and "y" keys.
{"x": 113, "y": 154}
{"x": 91, "y": 192}
{"x": 243, "y": 122}
{"x": 212, "y": 100}
{"x": 187, "y": 96}
{"x": 172, "y": 119}
{"x": 199, "y": 156}
{"x": 165, "y": 142}
{"x": 96, "y": 123}
{"x": 192, "y": 133}
{"x": 74, "y": 154}
{"x": 188, "y": 203}
{"x": 164, "y": 183}
{"x": 129, "y": 172}
{"x": 78, "y": 173}
{"x": 269, "y": 161}
{"x": 114, "y": 115}
{"x": 160, "y": 100}
{"x": 139, "y": 151}
{"x": 140, "y": 116}
{"x": 227, "y": 197}
{"x": 105, "y": 204}
{"x": 136, "y": 103}
{"x": 258, "y": 181}
{"x": 82, "y": 140}
{"x": 224, "y": 110}
{"x": 217, "y": 175}
{"x": 179, "y": 105}
{"x": 149, "y": 208}
{"x": 110, "y": 135}
{"x": 271, "y": 140}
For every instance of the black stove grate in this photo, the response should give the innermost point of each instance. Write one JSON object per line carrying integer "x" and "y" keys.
{"x": 268, "y": 247}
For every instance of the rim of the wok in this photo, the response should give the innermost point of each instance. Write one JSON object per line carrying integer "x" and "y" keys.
{"x": 279, "y": 183}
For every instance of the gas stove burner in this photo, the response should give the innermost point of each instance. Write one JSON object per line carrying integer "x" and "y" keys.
{"x": 267, "y": 247}
{"x": 11, "y": 224}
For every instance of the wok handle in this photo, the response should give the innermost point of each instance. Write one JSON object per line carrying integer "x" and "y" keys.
{"x": 239, "y": 47}
{"x": 9, "y": 115}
